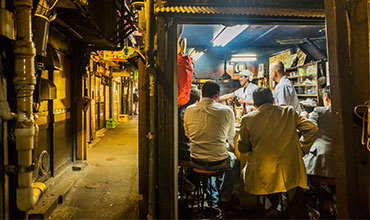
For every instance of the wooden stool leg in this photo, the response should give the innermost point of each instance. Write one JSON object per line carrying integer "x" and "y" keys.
{"x": 181, "y": 175}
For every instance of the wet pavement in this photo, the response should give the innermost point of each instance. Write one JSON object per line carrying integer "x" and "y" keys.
{"x": 108, "y": 188}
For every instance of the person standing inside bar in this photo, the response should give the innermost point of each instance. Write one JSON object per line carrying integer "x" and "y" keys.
{"x": 243, "y": 94}
{"x": 284, "y": 93}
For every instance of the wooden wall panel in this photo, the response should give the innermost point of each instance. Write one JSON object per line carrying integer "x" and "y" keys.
{"x": 342, "y": 81}
{"x": 167, "y": 119}
{"x": 143, "y": 142}
{"x": 62, "y": 80}
{"x": 62, "y": 145}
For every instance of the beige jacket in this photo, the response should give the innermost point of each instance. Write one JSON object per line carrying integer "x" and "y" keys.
{"x": 274, "y": 162}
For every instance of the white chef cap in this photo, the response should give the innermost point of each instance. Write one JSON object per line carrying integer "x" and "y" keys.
{"x": 247, "y": 73}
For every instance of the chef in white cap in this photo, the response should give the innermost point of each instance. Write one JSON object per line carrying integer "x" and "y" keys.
{"x": 244, "y": 94}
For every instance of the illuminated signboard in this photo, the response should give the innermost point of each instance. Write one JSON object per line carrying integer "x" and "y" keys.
{"x": 120, "y": 55}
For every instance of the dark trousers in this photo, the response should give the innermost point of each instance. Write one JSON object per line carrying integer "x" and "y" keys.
{"x": 227, "y": 180}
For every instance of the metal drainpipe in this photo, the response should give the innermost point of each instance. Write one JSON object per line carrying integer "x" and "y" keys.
{"x": 152, "y": 135}
{"x": 24, "y": 81}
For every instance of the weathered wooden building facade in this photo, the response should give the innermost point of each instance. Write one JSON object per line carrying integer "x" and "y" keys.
{"x": 56, "y": 90}
{"x": 77, "y": 28}
{"x": 347, "y": 26}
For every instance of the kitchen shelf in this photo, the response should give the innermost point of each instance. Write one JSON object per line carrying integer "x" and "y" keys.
{"x": 312, "y": 106}
{"x": 296, "y": 67}
{"x": 307, "y": 95}
{"x": 304, "y": 85}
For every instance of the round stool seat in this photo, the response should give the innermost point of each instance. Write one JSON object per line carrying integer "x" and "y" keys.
{"x": 205, "y": 171}
{"x": 184, "y": 163}
{"x": 321, "y": 180}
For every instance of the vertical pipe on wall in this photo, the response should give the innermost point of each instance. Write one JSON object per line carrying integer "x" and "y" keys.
{"x": 24, "y": 83}
{"x": 152, "y": 134}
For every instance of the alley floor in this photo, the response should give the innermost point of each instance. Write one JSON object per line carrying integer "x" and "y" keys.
{"x": 108, "y": 189}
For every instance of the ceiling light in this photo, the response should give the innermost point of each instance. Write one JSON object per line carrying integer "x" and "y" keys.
{"x": 195, "y": 54}
{"x": 290, "y": 41}
{"x": 227, "y": 34}
{"x": 243, "y": 57}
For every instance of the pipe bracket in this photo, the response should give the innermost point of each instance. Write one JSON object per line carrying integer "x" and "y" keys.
{"x": 15, "y": 169}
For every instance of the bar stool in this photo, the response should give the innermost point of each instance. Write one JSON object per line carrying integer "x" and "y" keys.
{"x": 184, "y": 165}
{"x": 201, "y": 188}
{"x": 283, "y": 208}
{"x": 317, "y": 182}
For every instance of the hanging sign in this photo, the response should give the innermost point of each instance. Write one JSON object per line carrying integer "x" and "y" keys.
{"x": 136, "y": 75}
{"x": 120, "y": 55}
{"x": 120, "y": 73}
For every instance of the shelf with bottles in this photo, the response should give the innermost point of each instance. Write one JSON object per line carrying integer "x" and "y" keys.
{"x": 305, "y": 81}
{"x": 261, "y": 81}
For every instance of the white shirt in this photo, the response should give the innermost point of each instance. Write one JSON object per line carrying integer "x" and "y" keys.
{"x": 285, "y": 94}
{"x": 246, "y": 93}
{"x": 208, "y": 125}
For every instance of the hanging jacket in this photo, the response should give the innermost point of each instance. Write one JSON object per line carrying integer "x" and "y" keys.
{"x": 185, "y": 74}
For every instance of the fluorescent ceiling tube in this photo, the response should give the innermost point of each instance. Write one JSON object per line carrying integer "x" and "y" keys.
{"x": 197, "y": 55}
{"x": 227, "y": 34}
{"x": 243, "y": 57}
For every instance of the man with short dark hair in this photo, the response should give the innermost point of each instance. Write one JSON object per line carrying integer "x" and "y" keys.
{"x": 284, "y": 92}
{"x": 210, "y": 127}
{"x": 269, "y": 133}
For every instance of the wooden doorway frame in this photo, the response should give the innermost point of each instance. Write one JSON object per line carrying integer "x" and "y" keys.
{"x": 340, "y": 86}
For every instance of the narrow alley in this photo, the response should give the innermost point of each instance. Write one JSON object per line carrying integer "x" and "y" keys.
{"x": 108, "y": 189}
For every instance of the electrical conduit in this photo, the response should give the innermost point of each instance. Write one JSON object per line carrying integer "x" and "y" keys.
{"x": 24, "y": 81}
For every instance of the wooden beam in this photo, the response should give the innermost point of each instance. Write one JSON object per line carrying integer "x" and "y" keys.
{"x": 78, "y": 115}
{"x": 167, "y": 119}
{"x": 143, "y": 141}
{"x": 342, "y": 105}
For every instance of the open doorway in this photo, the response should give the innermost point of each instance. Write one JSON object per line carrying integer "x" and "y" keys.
{"x": 221, "y": 53}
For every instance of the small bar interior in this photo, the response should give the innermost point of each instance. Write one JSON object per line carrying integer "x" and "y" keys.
{"x": 227, "y": 54}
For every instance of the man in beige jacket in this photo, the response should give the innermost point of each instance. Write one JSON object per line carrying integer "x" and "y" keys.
{"x": 269, "y": 134}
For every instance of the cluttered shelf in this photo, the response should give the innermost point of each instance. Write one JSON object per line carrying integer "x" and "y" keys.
{"x": 307, "y": 95}
{"x": 310, "y": 106}
{"x": 303, "y": 85}
{"x": 296, "y": 67}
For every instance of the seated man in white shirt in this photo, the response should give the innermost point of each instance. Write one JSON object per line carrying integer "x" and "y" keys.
{"x": 210, "y": 127}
